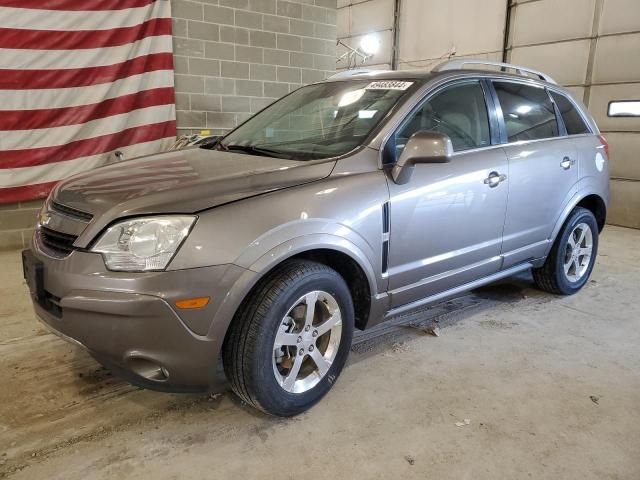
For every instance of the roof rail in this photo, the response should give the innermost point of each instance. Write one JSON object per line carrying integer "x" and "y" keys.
{"x": 459, "y": 64}
{"x": 353, "y": 73}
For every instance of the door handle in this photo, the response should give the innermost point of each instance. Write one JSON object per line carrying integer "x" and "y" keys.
{"x": 567, "y": 163}
{"x": 494, "y": 179}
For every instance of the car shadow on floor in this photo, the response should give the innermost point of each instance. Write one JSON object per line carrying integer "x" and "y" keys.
{"x": 430, "y": 319}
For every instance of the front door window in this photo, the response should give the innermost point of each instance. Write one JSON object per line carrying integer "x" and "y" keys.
{"x": 460, "y": 112}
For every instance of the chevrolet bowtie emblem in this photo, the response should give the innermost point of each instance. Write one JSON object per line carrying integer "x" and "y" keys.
{"x": 44, "y": 219}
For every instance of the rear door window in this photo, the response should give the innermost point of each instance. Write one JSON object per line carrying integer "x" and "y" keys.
{"x": 528, "y": 111}
{"x": 570, "y": 116}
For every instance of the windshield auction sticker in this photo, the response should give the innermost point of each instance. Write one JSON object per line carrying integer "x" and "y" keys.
{"x": 388, "y": 85}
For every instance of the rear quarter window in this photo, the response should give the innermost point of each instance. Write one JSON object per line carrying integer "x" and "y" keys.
{"x": 528, "y": 111}
{"x": 570, "y": 116}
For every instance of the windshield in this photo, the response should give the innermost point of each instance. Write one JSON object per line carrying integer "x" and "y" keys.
{"x": 318, "y": 121}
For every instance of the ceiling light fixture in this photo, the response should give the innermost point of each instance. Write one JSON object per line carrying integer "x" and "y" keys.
{"x": 368, "y": 47}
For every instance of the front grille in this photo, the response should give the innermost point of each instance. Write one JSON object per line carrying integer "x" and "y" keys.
{"x": 60, "y": 244}
{"x": 71, "y": 212}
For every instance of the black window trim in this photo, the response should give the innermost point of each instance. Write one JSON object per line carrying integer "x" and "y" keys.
{"x": 562, "y": 127}
{"x": 576, "y": 108}
{"x": 502, "y": 128}
{"x": 494, "y": 126}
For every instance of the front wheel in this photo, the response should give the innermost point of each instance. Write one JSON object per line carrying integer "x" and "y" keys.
{"x": 290, "y": 340}
{"x": 572, "y": 257}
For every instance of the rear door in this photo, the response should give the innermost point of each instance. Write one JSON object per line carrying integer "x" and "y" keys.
{"x": 542, "y": 169}
{"x": 590, "y": 160}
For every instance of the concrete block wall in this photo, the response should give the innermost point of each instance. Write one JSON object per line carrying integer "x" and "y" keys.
{"x": 234, "y": 57}
{"x": 16, "y": 224}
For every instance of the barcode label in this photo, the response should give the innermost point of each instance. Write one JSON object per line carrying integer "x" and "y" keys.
{"x": 388, "y": 85}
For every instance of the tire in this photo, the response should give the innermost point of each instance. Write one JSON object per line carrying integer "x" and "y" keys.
{"x": 552, "y": 276}
{"x": 260, "y": 372}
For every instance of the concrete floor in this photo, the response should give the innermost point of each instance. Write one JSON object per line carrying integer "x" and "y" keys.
{"x": 551, "y": 387}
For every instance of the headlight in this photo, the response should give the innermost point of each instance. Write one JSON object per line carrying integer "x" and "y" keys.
{"x": 142, "y": 244}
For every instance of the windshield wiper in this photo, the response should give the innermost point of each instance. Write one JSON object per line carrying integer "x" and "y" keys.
{"x": 255, "y": 150}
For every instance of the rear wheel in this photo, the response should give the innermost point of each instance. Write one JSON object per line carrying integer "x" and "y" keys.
{"x": 572, "y": 257}
{"x": 289, "y": 342}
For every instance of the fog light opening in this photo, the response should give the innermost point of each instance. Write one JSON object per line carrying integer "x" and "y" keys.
{"x": 149, "y": 369}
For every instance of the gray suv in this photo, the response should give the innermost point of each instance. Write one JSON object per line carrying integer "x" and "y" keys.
{"x": 341, "y": 205}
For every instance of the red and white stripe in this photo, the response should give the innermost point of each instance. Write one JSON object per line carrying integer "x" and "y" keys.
{"x": 80, "y": 79}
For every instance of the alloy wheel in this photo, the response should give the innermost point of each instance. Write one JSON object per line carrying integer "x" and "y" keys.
{"x": 578, "y": 252}
{"x": 307, "y": 342}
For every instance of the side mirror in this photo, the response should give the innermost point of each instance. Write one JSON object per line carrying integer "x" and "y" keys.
{"x": 422, "y": 147}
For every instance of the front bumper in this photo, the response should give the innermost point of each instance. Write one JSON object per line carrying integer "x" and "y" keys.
{"x": 127, "y": 321}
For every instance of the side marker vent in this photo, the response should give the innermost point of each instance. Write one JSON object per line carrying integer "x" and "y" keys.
{"x": 385, "y": 217}
{"x": 386, "y": 225}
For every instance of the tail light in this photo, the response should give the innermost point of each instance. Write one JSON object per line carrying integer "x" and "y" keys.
{"x": 605, "y": 144}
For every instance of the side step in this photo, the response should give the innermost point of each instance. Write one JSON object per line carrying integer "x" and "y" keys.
{"x": 457, "y": 290}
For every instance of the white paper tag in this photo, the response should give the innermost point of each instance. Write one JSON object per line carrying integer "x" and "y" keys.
{"x": 388, "y": 85}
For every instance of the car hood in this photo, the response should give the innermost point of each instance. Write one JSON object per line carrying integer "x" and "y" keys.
{"x": 182, "y": 181}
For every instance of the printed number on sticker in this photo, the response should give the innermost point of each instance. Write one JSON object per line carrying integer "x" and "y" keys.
{"x": 388, "y": 85}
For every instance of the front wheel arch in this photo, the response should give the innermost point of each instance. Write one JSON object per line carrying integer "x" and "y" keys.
{"x": 350, "y": 269}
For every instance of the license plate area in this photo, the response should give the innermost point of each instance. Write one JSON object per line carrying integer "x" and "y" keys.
{"x": 33, "y": 271}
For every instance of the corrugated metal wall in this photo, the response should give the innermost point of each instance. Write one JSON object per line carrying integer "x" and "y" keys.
{"x": 592, "y": 46}
{"x": 428, "y": 29}
{"x": 431, "y": 29}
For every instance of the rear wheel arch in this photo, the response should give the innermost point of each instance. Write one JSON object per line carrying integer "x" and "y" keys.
{"x": 591, "y": 201}
{"x": 597, "y": 206}
{"x": 553, "y": 275}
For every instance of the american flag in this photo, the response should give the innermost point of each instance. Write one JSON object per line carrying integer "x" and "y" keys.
{"x": 80, "y": 79}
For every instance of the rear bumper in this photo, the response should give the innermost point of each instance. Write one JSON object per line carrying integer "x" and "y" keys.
{"x": 128, "y": 323}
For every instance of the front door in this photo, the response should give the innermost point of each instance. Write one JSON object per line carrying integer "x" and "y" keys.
{"x": 446, "y": 223}
{"x": 543, "y": 171}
